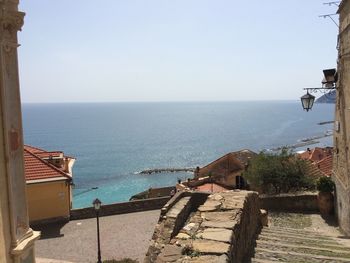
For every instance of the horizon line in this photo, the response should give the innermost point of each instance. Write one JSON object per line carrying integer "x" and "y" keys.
{"x": 157, "y": 101}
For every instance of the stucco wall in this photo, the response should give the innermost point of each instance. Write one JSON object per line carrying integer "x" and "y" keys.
{"x": 48, "y": 200}
{"x": 341, "y": 159}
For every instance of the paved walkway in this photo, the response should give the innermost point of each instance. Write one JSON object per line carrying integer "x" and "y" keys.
{"x": 122, "y": 236}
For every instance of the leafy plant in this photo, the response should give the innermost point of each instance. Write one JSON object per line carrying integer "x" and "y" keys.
{"x": 189, "y": 251}
{"x": 276, "y": 173}
{"x": 325, "y": 184}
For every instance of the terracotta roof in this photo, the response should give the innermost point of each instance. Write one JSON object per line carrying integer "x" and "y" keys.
{"x": 33, "y": 149}
{"x": 37, "y": 168}
{"x": 312, "y": 170}
{"x": 228, "y": 164}
{"x": 211, "y": 187}
{"x": 325, "y": 165}
{"x": 316, "y": 154}
{"x": 49, "y": 154}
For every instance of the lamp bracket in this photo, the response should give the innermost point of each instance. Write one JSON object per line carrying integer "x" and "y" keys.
{"x": 322, "y": 90}
{"x": 330, "y": 17}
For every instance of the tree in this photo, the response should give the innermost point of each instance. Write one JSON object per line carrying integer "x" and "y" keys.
{"x": 281, "y": 172}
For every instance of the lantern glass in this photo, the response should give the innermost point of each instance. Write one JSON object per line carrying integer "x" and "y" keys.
{"x": 307, "y": 101}
{"x": 97, "y": 204}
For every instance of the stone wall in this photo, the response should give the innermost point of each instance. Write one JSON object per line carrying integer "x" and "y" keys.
{"x": 120, "y": 208}
{"x": 341, "y": 158}
{"x": 199, "y": 228}
{"x": 306, "y": 202}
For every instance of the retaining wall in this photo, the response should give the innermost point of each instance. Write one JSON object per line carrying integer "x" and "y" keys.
{"x": 195, "y": 227}
{"x": 306, "y": 202}
{"x": 120, "y": 208}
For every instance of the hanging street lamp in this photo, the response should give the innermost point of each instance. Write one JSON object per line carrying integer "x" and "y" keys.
{"x": 97, "y": 205}
{"x": 328, "y": 83}
{"x": 307, "y": 101}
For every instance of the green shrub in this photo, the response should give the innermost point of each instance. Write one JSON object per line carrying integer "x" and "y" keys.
{"x": 325, "y": 184}
{"x": 277, "y": 173}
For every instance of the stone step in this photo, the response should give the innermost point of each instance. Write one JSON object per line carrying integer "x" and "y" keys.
{"x": 49, "y": 260}
{"x": 178, "y": 207}
{"x": 303, "y": 241}
{"x": 293, "y": 257}
{"x": 296, "y": 230}
{"x": 304, "y": 249}
{"x": 256, "y": 260}
{"x": 299, "y": 238}
{"x": 286, "y": 233}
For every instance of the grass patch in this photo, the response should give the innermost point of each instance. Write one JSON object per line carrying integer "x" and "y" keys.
{"x": 290, "y": 220}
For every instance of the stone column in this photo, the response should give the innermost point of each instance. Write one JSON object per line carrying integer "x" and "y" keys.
{"x": 17, "y": 236}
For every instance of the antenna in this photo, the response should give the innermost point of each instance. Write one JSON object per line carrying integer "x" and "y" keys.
{"x": 330, "y": 16}
{"x": 333, "y": 3}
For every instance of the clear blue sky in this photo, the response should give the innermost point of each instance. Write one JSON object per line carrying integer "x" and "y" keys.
{"x": 173, "y": 50}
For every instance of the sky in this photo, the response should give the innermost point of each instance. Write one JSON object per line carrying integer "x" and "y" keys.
{"x": 173, "y": 50}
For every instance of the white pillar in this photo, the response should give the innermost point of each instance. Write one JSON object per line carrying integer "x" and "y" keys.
{"x": 17, "y": 237}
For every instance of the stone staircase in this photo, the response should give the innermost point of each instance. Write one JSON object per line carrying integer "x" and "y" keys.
{"x": 285, "y": 244}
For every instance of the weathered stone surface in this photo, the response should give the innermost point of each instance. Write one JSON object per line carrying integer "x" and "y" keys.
{"x": 178, "y": 207}
{"x": 170, "y": 253}
{"x": 182, "y": 236}
{"x": 189, "y": 226}
{"x": 207, "y": 208}
{"x": 216, "y": 197}
{"x": 229, "y": 204}
{"x": 210, "y": 205}
{"x": 220, "y": 216}
{"x": 264, "y": 217}
{"x": 210, "y": 247}
{"x": 218, "y": 234}
{"x": 219, "y": 224}
{"x": 223, "y": 219}
{"x": 209, "y": 259}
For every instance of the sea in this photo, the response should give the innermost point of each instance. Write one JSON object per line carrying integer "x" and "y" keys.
{"x": 113, "y": 142}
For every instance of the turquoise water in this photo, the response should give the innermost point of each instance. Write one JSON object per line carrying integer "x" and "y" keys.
{"x": 113, "y": 141}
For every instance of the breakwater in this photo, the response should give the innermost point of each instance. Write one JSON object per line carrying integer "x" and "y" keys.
{"x": 304, "y": 142}
{"x": 167, "y": 170}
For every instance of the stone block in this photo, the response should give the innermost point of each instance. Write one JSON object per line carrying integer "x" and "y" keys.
{"x": 170, "y": 253}
{"x": 210, "y": 247}
{"x": 264, "y": 217}
{"x": 209, "y": 259}
{"x": 217, "y": 234}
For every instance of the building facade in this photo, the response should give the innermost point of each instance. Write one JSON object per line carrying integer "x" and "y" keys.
{"x": 49, "y": 184}
{"x": 227, "y": 169}
{"x": 341, "y": 158}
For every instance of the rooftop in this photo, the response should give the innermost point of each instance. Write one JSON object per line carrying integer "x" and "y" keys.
{"x": 37, "y": 168}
